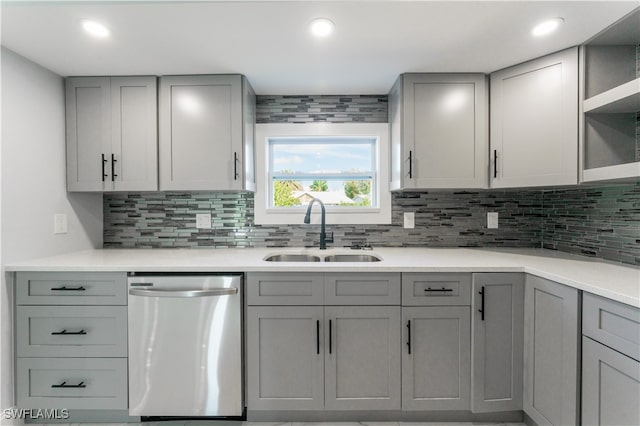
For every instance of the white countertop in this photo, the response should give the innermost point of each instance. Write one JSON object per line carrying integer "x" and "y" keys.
{"x": 614, "y": 281}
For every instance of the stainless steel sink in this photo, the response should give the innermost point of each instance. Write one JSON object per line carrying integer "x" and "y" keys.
{"x": 352, "y": 258}
{"x": 292, "y": 258}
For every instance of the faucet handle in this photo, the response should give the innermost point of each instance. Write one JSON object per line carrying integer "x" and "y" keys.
{"x": 329, "y": 237}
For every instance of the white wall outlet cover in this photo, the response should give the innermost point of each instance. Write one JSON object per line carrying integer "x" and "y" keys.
{"x": 203, "y": 220}
{"x": 409, "y": 220}
{"x": 492, "y": 220}
{"x": 59, "y": 223}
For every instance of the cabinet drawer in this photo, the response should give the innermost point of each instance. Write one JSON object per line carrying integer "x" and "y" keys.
{"x": 67, "y": 331}
{"x": 430, "y": 289}
{"x": 71, "y": 288}
{"x": 93, "y": 383}
{"x": 285, "y": 289}
{"x": 614, "y": 324}
{"x": 362, "y": 289}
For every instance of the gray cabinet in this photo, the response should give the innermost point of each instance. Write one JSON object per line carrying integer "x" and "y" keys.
{"x": 206, "y": 133}
{"x": 497, "y": 342}
{"x": 610, "y": 100}
{"x": 436, "y": 358}
{"x": 610, "y": 386}
{"x": 323, "y": 357}
{"x": 111, "y": 134}
{"x": 285, "y": 358}
{"x": 71, "y": 356}
{"x": 534, "y": 122}
{"x": 610, "y": 362}
{"x": 362, "y": 358}
{"x": 438, "y": 131}
{"x": 551, "y": 352}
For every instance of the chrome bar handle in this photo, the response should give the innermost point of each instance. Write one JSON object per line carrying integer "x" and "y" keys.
{"x": 183, "y": 293}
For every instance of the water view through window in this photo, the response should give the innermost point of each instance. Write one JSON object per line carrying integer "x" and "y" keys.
{"x": 340, "y": 171}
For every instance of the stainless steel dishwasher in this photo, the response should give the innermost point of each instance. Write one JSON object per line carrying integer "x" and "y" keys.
{"x": 185, "y": 345}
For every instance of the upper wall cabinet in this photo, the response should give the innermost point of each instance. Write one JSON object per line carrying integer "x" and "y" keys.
{"x": 534, "y": 122}
{"x": 111, "y": 134}
{"x": 206, "y": 133}
{"x": 438, "y": 131}
{"x": 610, "y": 96}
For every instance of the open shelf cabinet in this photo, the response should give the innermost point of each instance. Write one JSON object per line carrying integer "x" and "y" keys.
{"x": 610, "y": 93}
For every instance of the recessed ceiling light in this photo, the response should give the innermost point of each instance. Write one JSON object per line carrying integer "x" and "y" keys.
{"x": 322, "y": 27}
{"x": 96, "y": 29}
{"x": 546, "y": 27}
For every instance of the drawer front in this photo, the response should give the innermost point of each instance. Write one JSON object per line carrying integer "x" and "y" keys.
{"x": 434, "y": 289}
{"x": 285, "y": 289}
{"x": 68, "y": 331}
{"x": 362, "y": 289}
{"x": 71, "y": 288}
{"x": 75, "y": 383}
{"x": 614, "y": 324}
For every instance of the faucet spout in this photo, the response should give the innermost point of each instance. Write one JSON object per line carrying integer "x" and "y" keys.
{"x": 323, "y": 228}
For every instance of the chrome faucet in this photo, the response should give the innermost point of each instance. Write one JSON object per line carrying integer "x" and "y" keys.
{"x": 323, "y": 230}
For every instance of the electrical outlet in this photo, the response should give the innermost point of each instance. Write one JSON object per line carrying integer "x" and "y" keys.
{"x": 409, "y": 220}
{"x": 59, "y": 223}
{"x": 203, "y": 220}
{"x": 492, "y": 220}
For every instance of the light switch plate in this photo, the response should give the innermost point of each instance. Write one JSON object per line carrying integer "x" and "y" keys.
{"x": 492, "y": 220}
{"x": 203, "y": 220}
{"x": 409, "y": 220}
{"x": 59, "y": 223}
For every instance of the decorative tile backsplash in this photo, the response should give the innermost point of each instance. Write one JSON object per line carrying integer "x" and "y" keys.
{"x": 321, "y": 108}
{"x": 601, "y": 222}
{"x": 443, "y": 219}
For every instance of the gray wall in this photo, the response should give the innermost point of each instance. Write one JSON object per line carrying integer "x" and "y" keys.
{"x": 33, "y": 183}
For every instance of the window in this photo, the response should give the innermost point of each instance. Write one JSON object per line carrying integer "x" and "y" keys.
{"x": 343, "y": 165}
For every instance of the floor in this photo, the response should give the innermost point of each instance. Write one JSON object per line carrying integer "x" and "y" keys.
{"x": 224, "y": 423}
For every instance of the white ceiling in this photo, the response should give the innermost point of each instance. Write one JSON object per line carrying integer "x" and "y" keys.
{"x": 269, "y": 41}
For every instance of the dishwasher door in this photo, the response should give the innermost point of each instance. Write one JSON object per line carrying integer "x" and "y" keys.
{"x": 185, "y": 345}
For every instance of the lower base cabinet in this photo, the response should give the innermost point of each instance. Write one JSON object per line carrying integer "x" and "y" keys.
{"x": 74, "y": 383}
{"x": 610, "y": 362}
{"x": 436, "y": 360}
{"x": 317, "y": 358}
{"x": 285, "y": 357}
{"x": 551, "y": 352}
{"x": 610, "y": 386}
{"x": 497, "y": 326}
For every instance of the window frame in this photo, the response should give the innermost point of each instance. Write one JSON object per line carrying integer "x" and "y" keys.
{"x": 264, "y": 214}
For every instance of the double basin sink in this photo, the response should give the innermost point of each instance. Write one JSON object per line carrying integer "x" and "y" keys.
{"x": 346, "y": 257}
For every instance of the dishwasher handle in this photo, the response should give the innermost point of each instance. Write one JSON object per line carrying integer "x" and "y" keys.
{"x": 183, "y": 293}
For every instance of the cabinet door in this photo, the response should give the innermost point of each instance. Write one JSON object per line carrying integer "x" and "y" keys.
{"x": 362, "y": 358}
{"x": 201, "y": 132}
{"x": 285, "y": 368}
{"x": 497, "y": 342}
{"x": 610, "y": 386}
{"x": 133, "y": 158}
{"x": 534, "y": 122}
{"x": 551, "y": 352}
{"x": 88, "y": 116}
{"x": 444, "y": 130}
{"x": 436, "y": 360}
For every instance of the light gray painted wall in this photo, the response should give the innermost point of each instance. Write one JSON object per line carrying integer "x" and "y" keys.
{"x": 33, "y": 185}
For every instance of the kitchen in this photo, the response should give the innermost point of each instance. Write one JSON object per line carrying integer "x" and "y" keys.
{"x": 447, "y": 220}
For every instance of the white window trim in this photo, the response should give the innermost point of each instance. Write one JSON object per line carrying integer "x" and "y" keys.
{"x": 347, "y": 216}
